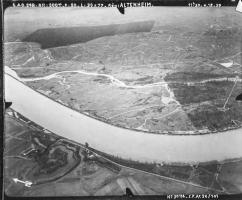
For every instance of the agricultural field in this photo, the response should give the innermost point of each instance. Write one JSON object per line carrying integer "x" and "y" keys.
{"x": 168, "y": 80}
{"x": 56, "y": 167}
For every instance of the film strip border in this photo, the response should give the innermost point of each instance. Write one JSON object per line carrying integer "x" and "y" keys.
{"x": 118, "y": 3}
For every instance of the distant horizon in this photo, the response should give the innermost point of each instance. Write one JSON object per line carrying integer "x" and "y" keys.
{"x": 19, "y": 21}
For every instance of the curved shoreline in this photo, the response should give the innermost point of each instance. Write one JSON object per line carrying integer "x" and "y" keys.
{"x": 171, "y": 133}
{"x": 125, "y": 143}
{"x": 120, "y": 83}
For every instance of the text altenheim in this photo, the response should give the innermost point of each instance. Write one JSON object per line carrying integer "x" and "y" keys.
{"x": 133, "y": 4}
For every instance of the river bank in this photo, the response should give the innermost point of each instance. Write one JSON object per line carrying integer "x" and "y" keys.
{"x": 121, "y": 142}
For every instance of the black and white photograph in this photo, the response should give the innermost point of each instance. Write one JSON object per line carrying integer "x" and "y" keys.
{"x": 114, "y": 102}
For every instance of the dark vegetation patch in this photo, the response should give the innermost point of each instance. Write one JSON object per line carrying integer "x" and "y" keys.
{"x": 191, "y": 76}
{"x": 212, "y": 168}
{"x": 54, "y": 162}
{"x": 203, "y": 178}
{"x": 43, "y": 139}
{"x": 204, "y": 102}
{"x": 201, "y": 92}
{"x": 50, "y": 163}
{"x": 215, "y": 119}
{"x": 55, "y": 37}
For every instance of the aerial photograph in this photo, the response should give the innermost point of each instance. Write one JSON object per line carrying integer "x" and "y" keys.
{"x": 99, "y": 103}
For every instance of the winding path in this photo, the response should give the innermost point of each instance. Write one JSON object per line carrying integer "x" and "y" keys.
{"x": 112, "y": 79}
{"x": 122, "y": 84}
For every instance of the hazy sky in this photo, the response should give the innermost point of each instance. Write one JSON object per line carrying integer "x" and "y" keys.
{"x": 94, "y": 16}
{"x": 26, "y": 20}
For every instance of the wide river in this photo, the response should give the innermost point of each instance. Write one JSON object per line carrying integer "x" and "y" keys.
{"x": 125, "y": 143}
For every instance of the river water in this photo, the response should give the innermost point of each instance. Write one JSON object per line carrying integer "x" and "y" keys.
{"x": 125, "y": 143}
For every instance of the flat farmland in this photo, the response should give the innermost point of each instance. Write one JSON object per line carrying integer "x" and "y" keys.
{"x": 158, "y": 81}
{"x": 94, "y": 175}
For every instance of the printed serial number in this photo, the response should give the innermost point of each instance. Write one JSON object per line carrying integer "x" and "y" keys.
{"x": 217, "y": 5}
{"x": 192, "y": 196}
